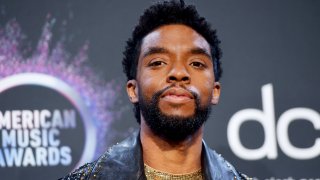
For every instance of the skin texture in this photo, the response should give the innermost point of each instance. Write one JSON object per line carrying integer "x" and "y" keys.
{"x": 177, "y": 56}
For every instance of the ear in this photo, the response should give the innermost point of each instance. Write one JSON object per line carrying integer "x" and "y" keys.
{"x": 216, "y": 93}
{"x": 132, "y": 91}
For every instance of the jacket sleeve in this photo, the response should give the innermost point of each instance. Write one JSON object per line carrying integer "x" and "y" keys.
{"x": 82, "y": 173}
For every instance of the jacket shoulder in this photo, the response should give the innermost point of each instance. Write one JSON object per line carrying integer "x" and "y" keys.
{"x": 219, "y": 168}
{"x": 82, "y": 173}
{"x": 120, "y": 161}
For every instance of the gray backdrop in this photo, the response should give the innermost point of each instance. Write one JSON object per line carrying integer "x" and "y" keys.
{"x": 263, "y": 42}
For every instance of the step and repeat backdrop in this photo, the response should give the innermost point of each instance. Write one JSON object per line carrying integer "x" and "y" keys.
{"x": 63, "y": 99}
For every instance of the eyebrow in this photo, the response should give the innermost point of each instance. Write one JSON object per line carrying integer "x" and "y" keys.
{"x": 200, "y": 51}
{"x": 155, "y": 50}
{"x": 161, "y": 50}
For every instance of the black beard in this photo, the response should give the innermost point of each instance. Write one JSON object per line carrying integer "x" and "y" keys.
{"x": 172, "y": 128}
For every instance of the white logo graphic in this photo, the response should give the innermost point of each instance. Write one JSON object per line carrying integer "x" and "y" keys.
{"x": 266, "y": 117}
{"x": 18, "y": 125}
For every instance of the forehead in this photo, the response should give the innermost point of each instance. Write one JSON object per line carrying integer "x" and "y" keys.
{"x": 174, "y": 37}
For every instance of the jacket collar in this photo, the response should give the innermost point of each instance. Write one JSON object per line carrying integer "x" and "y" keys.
{"x": 121, "y": 161}
{"x": 125, "y": 161}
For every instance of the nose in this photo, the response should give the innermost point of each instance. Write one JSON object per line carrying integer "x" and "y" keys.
{"x": 178, "y": 73}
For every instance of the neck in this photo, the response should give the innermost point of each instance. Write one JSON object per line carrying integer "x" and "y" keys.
{"x": 178, "y": 158}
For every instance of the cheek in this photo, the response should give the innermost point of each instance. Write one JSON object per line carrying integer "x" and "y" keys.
{"x": 149, "y": 84}
{"x": 208, "y": 80}
{"x": 204, "y": 87}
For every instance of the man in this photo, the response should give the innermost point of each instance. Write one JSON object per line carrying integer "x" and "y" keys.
{"x": 172, "y": 63}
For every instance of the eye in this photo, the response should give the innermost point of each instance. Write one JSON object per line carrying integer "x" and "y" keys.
{"x": 156, "y": 63}
{"x": 198, "y": 64}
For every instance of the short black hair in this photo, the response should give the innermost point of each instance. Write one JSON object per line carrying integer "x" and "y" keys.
{"x": 165, "y": 13}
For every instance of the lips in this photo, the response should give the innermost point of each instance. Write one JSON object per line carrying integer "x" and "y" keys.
{"x": 177, "y": 95}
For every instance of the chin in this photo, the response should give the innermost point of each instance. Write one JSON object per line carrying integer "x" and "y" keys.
{"x": 179, "y": 115}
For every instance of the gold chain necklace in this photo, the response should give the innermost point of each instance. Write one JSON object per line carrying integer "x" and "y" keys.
{"x": 153, "y": 174}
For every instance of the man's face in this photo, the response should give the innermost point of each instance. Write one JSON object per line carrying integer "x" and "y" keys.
{"x": 175, "y": 61}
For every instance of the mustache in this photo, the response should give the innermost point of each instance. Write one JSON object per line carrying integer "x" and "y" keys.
{"x": 158, "y": 93}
